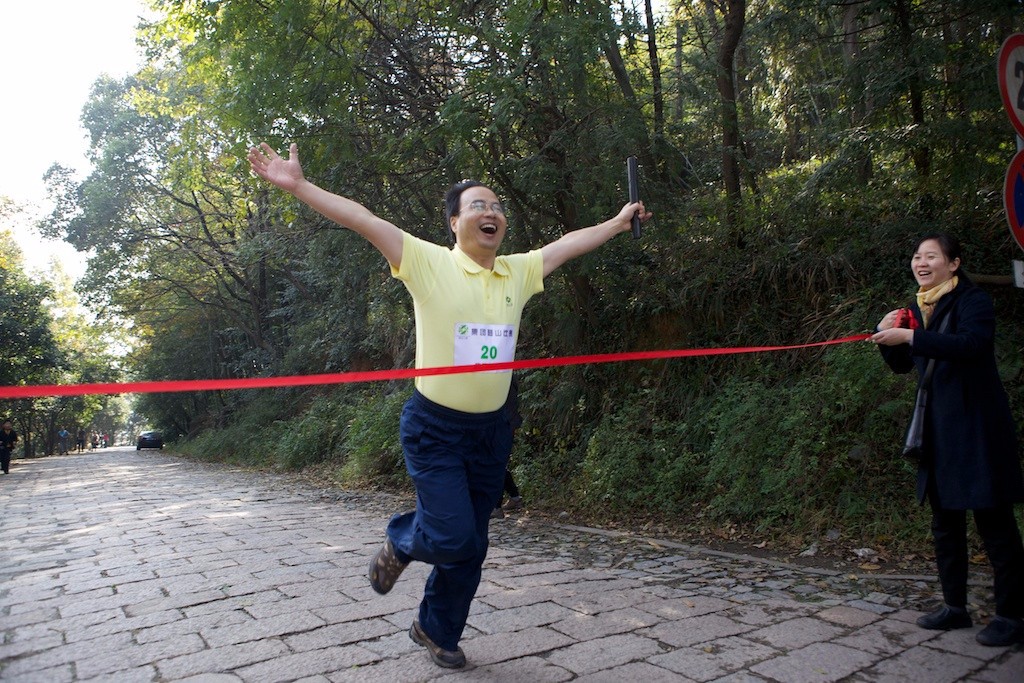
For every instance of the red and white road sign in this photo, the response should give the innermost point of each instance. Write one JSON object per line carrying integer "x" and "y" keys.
{"x": 1011, "y": 79}
{"x": 1013, "y": 197}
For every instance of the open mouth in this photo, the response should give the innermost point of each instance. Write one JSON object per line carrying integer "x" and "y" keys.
{"x": 489, "y": 228}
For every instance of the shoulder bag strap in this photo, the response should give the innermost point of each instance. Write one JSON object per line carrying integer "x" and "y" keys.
{"x": 926, "y": 381}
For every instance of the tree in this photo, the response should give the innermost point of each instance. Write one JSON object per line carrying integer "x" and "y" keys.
{"x": 92, "y": 349}
{"x": 28, "y": 353}
{"x": 804, "y": 144}
{"x": 734, "y": 16}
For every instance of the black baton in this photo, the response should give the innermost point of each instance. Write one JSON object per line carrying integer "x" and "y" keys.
{"x": 634, "y": 193}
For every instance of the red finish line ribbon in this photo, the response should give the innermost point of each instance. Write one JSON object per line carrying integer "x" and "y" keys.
{"x": 161, "y": 386}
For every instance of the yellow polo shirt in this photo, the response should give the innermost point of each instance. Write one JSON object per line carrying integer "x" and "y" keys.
{"x": 466, "y": 314}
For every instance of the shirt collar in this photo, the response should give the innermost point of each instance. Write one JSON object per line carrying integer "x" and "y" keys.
{"x": 471, "y": 266}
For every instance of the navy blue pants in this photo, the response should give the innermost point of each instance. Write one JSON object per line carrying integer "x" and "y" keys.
{"x": 457, "y": 463}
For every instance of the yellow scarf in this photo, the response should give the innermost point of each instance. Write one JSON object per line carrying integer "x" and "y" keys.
{"x": 927, "y": 298}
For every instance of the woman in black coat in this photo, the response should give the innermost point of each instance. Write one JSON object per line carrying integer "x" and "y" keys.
{"x": 971, "y": 457}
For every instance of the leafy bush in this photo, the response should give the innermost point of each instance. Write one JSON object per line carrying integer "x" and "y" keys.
{"x": 371, "y": 446}
{"x": 242, "y": 440}
{"x": 821, "y": 449}
{"x": 312, "y": 436}
{"x": 636, "y": 462}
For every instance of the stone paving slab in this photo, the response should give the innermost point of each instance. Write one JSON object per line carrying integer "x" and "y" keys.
{"x": 126, "y": 566}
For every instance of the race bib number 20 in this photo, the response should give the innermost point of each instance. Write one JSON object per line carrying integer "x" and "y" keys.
{"x": 477, "y": 343}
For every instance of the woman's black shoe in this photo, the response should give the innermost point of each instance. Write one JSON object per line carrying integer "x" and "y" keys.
{"x": 1001, "y": 631}
{"x": 946, "y": 618}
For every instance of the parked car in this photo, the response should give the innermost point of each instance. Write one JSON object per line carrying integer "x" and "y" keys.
{"x": 149, "y": 440}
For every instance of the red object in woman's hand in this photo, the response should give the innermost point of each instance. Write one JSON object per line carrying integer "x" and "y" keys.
{"x": 905, "y": 319}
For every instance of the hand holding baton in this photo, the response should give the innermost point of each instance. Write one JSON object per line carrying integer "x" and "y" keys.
{"x": 634, "y": 193}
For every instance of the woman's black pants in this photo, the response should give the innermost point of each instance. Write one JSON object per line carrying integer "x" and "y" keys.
{"x": 1001, "y": 537}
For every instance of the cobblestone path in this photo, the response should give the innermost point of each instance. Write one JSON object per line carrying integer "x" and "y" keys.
{"x": 141, "y": 566}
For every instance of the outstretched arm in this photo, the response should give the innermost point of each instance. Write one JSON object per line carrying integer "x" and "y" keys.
{"x": 287, "y": 175}
{"x": 585, "y": 240}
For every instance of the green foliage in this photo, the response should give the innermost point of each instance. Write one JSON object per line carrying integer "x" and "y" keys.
{"x": 28, "y": 352}
{"x": 47, "y": 339}
{"x": 264, "y": 437}
{"x": 825, "y": 444}
{"x": 637, "y": 461}
{"x": 862, "y": 125}
{"x": 351, "y": 434}
{"x": 312, "y": 437}
{"x": 250, "y": 439}
{"x": 371, "y": 448}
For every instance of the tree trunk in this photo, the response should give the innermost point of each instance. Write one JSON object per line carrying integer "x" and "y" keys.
{"x": 735, "y": 16}
{"x": 746, "y": 105}
{"x": 921, "y": 153}
{"x": 656, "y": 91}
{"x": 952, "y": 35}
{"x": 862, "y": 107}
{"x": 618, "y": 66}
{"x": 25, "y": 423}
{"x": 677, "y": 67}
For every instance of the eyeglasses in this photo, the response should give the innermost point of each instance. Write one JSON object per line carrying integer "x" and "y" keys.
{"x": 480, "y": 206}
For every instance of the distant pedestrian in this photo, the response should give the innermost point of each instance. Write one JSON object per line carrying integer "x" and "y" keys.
{"x": 65, "y": 440}
{"x": 8, "y": 437}
{"x": 80, "y": 441}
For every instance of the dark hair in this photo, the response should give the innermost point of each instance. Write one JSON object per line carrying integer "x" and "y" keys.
{"x": 453, "y": 197}
{"x": 949, "y": 245}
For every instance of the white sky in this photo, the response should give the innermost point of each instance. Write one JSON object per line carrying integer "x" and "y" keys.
{"x": 51, "y": 53}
